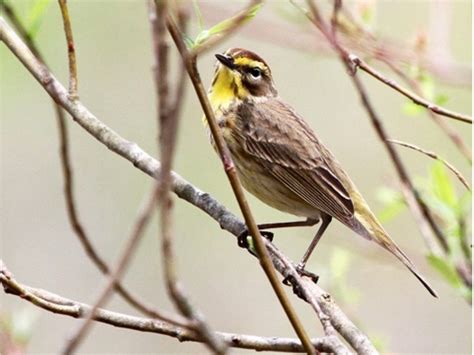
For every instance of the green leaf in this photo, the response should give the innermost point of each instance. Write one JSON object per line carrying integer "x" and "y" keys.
{"x": 188, "y": 41}
{"x": 442, "y": 185}
{"x": 393, "y": 201}
{"x": 224, "y": 25}
{"x": 441, "y": 99}
{"x": 36, "y": 15}
{"x": 447, "y": 270}
{"x": 409, "y": 108}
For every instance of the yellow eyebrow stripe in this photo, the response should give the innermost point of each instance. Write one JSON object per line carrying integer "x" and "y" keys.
{"x": 243, "y": 61}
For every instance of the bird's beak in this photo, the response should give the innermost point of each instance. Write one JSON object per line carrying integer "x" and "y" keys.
{"x": 227, "y": 60}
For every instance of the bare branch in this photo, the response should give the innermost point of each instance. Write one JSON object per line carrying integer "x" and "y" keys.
{"x": 436, "y": 157}
{"x": 60, "y": 305}
{"x": 443, "y": 124}
{"x": 168, "y": 123}
{"x": 415, "y": 98}
{"x": 71, "y": 51}
{"x": 121, "y": 265}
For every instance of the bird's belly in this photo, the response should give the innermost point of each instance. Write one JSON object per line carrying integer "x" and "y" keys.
{"x": 257, "y": 180}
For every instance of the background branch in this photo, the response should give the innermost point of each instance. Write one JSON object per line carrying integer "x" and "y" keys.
{"x": 168, "y": 124}
{"x": 71, "y": 52}
{"x": 60, "y": 305}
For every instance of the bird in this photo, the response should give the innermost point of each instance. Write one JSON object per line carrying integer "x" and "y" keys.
{"x": 280, "y": 160}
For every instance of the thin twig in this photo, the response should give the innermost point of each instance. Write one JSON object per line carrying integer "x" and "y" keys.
{"x": 230, "y": 170}
{"x": 143, "y": 217}
{"x": 71, "y": 208}
{"x": 168, "y": 123}
{"x": 443, "y": 124}
{"x": 127, "y": 149}
{"x": 57, "y": 304}
{"x": 412, "y": 96}
{"x": 436, "y": 157}
{"x": 71, "y": 52}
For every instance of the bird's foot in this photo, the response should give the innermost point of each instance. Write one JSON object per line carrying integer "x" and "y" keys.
{"x": 242, "y": 238}
{"x": 290, "y": 280}
{"x": 302, "y": 272}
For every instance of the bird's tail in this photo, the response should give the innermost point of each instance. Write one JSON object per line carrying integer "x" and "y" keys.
{"x": 368, "y": 226}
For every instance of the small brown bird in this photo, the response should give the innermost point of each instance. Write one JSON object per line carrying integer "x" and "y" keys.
{"x": 280, "y": 160}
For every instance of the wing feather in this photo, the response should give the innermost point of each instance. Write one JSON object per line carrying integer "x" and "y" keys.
{"x": 290, "y": 151}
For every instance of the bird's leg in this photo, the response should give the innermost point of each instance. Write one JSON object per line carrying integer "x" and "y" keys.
{"x": 326, "y": 219}
{"x": 242, "y": 238}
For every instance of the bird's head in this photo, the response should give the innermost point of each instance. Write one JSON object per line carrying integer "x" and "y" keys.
{"x": 242, "y": 74}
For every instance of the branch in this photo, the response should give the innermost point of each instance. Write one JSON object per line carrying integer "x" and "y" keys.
{"x": 168, "y": 124}
{"x": 70, "y": 49}
{"x": 451, "y": 133}
{"x": 415, "y": 98}
{"x": 141, "y": 159}
{"x": 57, "y": 304}
{"x": 436, "y": 157}
{"x": 72, "y": 212}
{"x": 229, "y": 167}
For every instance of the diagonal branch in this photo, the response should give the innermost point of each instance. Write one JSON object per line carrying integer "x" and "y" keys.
{"x": 436, "y": 157}
{"x": 412, "y": 96}
{"x": 168, "y": 124}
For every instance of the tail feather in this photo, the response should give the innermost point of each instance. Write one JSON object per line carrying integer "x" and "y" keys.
{"x": 390, "y": 245}
{"x": 372, "y": 230}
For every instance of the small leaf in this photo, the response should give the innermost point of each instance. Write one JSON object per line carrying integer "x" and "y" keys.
{"x": 36, "y": 15}
{"x": 224, "y": 25}
{"x": 441, "y": 99}
{"x": 442, "y": 185}
{"x": 445, "y": 268}
{"x": 393, "y": 201}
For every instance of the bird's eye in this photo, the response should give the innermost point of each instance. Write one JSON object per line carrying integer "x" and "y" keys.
{"x": 256, "y": 72}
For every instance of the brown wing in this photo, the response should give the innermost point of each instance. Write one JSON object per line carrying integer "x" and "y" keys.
{"x": 283, "y": 143}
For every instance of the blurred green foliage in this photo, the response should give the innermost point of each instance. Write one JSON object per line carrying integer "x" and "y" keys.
{"x": 451, "y": 211}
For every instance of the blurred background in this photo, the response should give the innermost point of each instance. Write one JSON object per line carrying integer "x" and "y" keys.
{"x": 115, "y": 82}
